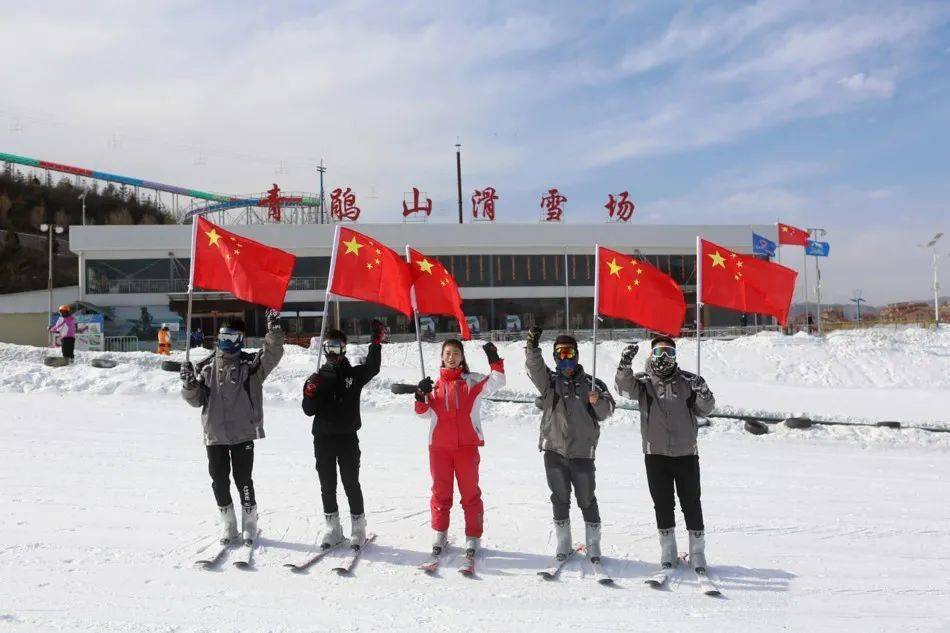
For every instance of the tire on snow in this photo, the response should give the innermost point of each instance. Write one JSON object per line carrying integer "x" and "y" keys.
{"x": 756, "y": 427}
{"x": 103, "y": 363}
{"x": 889, "y": 424}
{"x": 798, "y": 423}
{"x": 171, "y": 365}
{"x": 54, "y": 361}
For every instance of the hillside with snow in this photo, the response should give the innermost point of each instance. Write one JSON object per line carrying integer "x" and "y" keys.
{"x": 108, "y": 502}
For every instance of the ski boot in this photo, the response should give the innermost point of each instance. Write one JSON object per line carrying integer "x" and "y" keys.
{"x": 439, "y": 543}
{"x": 358, "y": 530}
{"x": 229, "y": 531}
{"x": 562, "y": 530}
{"x": 471, "y": 546}
{"x": 697, "y": 550}
{"x": 668, "y": 554}
{"x": 593, "y": 541}
{"x": 249, "y": 523}
{"x": 334, "y": 534}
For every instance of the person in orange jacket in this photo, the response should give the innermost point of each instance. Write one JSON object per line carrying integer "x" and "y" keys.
{"x": 164, "y": 340}
{"x": 453, "y": 406}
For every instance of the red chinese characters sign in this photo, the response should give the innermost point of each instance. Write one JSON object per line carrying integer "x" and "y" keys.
{"x": 272, "y": 202}
{"x": 416, "y": 207}
{"x": 343, "y": 205}
{"x": 553, "y": 204}
{"x": 619, "y": 209}
{"x": 483, "y": 204}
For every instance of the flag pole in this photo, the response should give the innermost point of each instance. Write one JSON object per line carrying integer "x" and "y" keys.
{"x": 593, "y": 371}
{"x": 805, "y": 286}
{"x": 699, "y": 301}
{"x": 415, "y": 316}
{"x": 326, "y": 299}
{"x": 191, "y": 288}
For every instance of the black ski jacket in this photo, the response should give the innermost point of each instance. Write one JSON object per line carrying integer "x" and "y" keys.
{"x": 335, "y": 403}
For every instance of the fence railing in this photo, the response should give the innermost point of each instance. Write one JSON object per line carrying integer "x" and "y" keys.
{"x": 165, "y": 286}
{"x": 122, "y": 343}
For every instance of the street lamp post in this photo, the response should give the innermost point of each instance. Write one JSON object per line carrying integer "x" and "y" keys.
{"x": 50, "y": 230}
{"x": 818, "y": 233}
{"x": 82, "y": 197}
{"x": 932, "y": 244}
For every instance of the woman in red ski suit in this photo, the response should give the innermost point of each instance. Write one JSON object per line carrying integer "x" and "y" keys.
{"x": 453, "y": 405}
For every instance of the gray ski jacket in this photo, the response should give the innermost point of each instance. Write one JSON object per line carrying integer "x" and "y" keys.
{"x": 230, "y": 392}
{"x": 668, "y": 410}
{"x": 570, "y": 425}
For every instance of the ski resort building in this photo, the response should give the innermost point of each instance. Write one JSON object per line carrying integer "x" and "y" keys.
{"x": 512, "y": 276}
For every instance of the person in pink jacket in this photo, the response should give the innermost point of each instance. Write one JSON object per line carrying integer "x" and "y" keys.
{"x": 67, "y": 322}
{"x": 453, "y": 406}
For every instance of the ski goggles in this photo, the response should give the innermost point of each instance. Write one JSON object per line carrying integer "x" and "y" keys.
{"x": 334, "y": 346}
{"x": 231, "y": 336}
{"x": 565, "y": 352}
{"x": 664, "y": 350}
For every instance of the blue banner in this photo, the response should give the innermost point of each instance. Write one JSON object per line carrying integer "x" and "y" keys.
{"x": 762, "y": 246}
{"x": 818, "y": 249}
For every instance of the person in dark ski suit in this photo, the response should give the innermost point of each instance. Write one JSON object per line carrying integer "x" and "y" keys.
{"x": 670, "y": 401}
{"x": 573, "y": 408}
{"x": 332, "y": 397}
{"x": 228, "y": 386}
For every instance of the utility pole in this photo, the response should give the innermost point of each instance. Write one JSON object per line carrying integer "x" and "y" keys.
{"x": 50, "y": 230}
{"x": 857, "y": 300}
{"x": 83, "y": 198}
{"x": 458, "y": 173}
{"x": 932, "y": 244}
{"x": 322, "y": 170}
{"x": 817, "y": 232}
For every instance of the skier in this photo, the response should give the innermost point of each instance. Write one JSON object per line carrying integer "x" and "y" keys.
{"x": 670, "y": 401}
{"x": 332, "y": 397}
{"x": 573, "y": 407}
{"x": 228, "y": 387}
{"x": 453, "y": 405}
{"x": 68, "y": 342}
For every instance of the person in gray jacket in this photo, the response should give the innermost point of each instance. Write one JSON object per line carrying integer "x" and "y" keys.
{"x": 228, "y": 387}
{"x": 670, "y": 401}
{"x": 573, "y": 407}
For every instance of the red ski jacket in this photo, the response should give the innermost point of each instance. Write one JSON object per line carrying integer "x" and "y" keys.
{"x": 454, "y": 408}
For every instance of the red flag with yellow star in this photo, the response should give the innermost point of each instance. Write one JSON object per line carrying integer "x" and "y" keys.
{"x": 436, "y": 290}
{"x": 247, "y": 269}
{"x": 633, "y": 290}
{"x": 367, "y": 270}
{"x": 745, "y": 283}
{"x": 788, "y": 234}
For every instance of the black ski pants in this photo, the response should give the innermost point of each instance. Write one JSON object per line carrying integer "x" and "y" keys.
{"x": 222, "y": 459}
{"x": 564, "y": 473}
{"x": 662, "y": 474}
{"x": 69, "y": 347}
{"x": 342, "y": 450}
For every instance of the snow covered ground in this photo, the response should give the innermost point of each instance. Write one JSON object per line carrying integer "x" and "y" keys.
{"x": 107, "y": 503}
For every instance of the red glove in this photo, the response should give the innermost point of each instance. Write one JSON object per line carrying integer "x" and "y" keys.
{"x": 310, "y": 387}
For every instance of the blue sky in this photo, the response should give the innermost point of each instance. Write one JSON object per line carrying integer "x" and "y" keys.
{"x": 830, "y": 114}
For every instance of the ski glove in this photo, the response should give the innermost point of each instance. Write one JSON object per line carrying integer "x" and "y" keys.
{"x": 187, "y": 374}
{"x": 273, "y": 319}
{"x": 424, "y": 388}
{"x": 379, "y": 331}
{"x": 491, "y": 352}
{"x": 626, "y": 358}
{"x": 698, "y": 385}
{"x": 534, "y": 336}
{"x": 310, "y": 387}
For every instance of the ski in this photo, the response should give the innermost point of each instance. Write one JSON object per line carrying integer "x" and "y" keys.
{"x": 468, "y": 565}
{"x": 431, "y": 565}
{"x": 706, "y": 584}
{"x": 208, "y": 563}
{"x": 659, "y": 579}
{"x": 355, "y": 551}
{"x": 554, "y": 570}
{"x": 313, "y": 560}
{"x": 247, "y": 552}
{"x": 600, "y": 572}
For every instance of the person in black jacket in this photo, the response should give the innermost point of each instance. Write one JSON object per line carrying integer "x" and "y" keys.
{"x": 332, "y": 397}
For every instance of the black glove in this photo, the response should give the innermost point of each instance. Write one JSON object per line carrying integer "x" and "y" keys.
{"x": 379, "y": 331}
{"x": 273, "y": 319}
{"x": 697, "y": 384}
{"x": 626, "y": 358}
{"x": 491, "y": 352}
{"x": 310, "y": 387}
{"x": 187, "y": 374}
{"x": 534, "y": 336}
{"x": 424, "y": 388}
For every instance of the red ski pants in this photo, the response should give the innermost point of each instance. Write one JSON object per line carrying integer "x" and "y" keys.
{"x": 460, "y": 464}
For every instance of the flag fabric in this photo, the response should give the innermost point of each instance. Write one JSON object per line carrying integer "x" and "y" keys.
{"x": 817, "y": 249}
{"x": 367, "y": 270}
{"x": 788, "y": 234}
{"x": 763, "y": 246}
{"x": 247, "y": 269}
{"x": 744, "y": 283}
{"x": 633, "y": 290}
{"x": 436, "y": 291}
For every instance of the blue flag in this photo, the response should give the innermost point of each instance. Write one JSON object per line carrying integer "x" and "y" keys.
{"x": 762, "y": 246}
{"x": 818, "y": 249}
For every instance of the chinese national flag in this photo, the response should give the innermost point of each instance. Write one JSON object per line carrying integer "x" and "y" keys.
{"x": 744, "y": 283}
{"x": 633, "y": 290}
{"x": 247, "y": 269}
{"x": 436, "y": 290}
{"x": 367, "y": 270}
{"x": 788, "y": 234}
